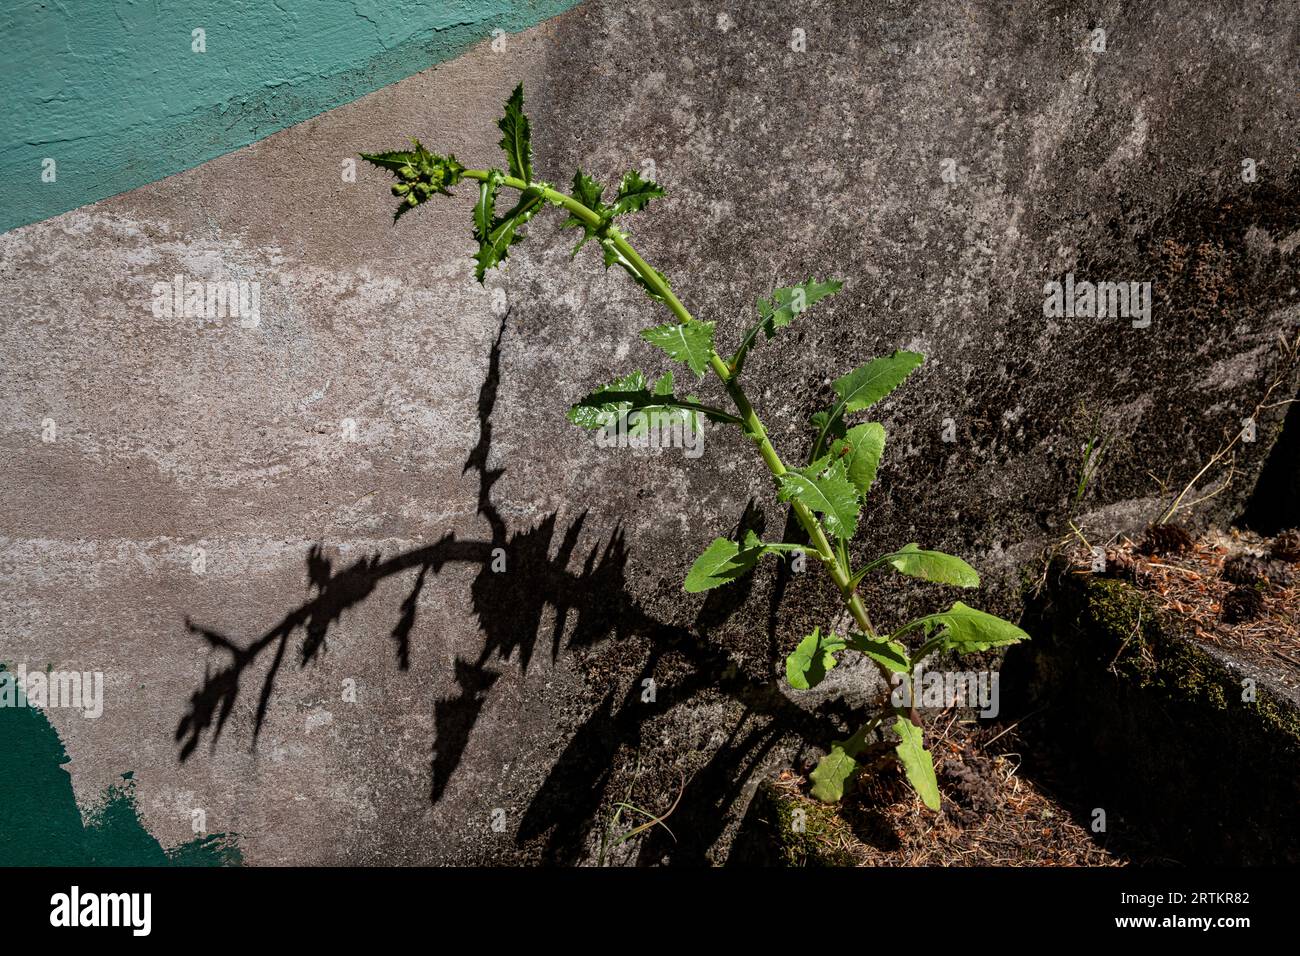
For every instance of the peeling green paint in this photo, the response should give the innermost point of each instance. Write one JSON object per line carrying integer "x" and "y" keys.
{"x": 41, "y": 825}
{"x": 117, "y": 96}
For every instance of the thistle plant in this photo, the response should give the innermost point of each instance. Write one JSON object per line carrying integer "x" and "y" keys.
{"x": 826, "y": 494}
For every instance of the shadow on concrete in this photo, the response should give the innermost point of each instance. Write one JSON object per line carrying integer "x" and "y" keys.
{"x": 1274, "y": 505}
{"x": 592, "y": 605}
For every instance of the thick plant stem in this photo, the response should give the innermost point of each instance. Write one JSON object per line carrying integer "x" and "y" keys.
{"x": 750, "y": 422}
{"x": 817, "y": 535}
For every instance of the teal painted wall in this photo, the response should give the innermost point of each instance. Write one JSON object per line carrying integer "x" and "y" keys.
{"x": 114, "y": 93}
{"x": 41, "y": 824}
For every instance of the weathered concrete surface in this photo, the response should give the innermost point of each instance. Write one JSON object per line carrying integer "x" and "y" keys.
{"x": 527, "y": 685}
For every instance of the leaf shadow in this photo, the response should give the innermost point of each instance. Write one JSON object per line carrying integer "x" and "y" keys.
{"x": 590, "y": 603}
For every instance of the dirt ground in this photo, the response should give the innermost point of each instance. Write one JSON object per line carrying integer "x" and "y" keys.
{"x": 992, "y": 813}
{"x": 1240, "y": 591}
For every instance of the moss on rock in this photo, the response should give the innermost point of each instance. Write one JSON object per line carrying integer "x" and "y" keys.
{"x": 1185, "y": 746}
{"x": 799, "y": 831}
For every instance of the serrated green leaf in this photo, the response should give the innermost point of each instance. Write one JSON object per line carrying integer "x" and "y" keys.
{"x": 860, "y": 449}
{"x": 868, "y": 384}
{"x": 968, "y": 629}
{"x": 493, "y": 250}
{"x": 808, "y": 663}
{"x": 640, "y": 417}
{"x": 485, "y": 207}
{"x": 786, "y": 303}
{"x": 633, "y": 395}
{"x": 505, "y": 230}
{"x": 393, "y": 160}
{"x": 614, "y": 257}
{"x": 633, "y": 193}
{"x": 917, "y": 762}
{"x": 780, "y": 310}
{"x": 863, "y": 387}
{"x": 724, "y": 561}
{"x": 834, "y": 773}
{"x": 888, "y": 653}
{"x": 830, "y": 494}
{"x": 588, "y": 192}
{"x": 934, "y": 566}
{"x": 599, "y": 408}
{"x": 690, "y": 342}
{"x": 964, "y": 629}
{"x": 516, "y": 138}
{"x": 718, "y": 565}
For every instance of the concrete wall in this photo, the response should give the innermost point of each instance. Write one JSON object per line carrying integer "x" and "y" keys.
{"x": 362, "y": 552}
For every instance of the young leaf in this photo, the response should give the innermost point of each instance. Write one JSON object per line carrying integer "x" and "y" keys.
{"x": 808, "y": 663}
{"x": 860, "y": 450}
{"x": 829, "y": 494}
{"x": 394, "y": 160}
{"x": 917, "y": 762}
{"x": 969, "y": 629}
{"x": 834, "y": 773}
{"x": 503, "y": 233}
{"x": 890, "y": 654}
{"x": 869, "y": 383}
{"x": 588, "y": 192}
{"x": 724, "y": 561}
{"x": 485, "y": 208}
{"x": 934, "y": 566}
{"x": 516, "y": 137}
{"x": 785, "y": 304}
{"x": 633, "y": 193}
{"x": 779, "y": 311}
{"x": 691, "y": 342}
{"x": 865, "y": 386}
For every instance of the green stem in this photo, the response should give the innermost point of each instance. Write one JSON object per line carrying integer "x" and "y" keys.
{"x": 750, "y": 422}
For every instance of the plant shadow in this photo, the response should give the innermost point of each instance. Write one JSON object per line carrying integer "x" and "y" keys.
{"x": 591, "y": 604}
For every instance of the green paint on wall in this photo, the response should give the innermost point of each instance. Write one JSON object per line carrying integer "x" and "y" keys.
{"x": 117, "y": 95}
{"x": 41, "y": 825}
{"x": 39, "y": 820}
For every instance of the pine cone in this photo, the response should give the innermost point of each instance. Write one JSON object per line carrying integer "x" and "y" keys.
{"x": 1165, "y": 539}
{"x": 1242, "y": 603}
{"x": 1119, "y": 563}
{"x": 1245, "y": 568}
{"x": 1286, "y": 546}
